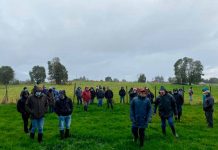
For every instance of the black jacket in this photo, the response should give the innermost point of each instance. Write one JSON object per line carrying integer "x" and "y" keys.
{"x": 21, "y": 106}
{"x": 64, "y": 107}
{"x": 109, "y": 94}
{"x": 167, "y": 105}
{"x": 122, "y": 92}
{"x": 208, "y": 103}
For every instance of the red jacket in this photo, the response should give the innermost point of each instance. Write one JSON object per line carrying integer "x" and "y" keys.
{"x": 86, "y": 95}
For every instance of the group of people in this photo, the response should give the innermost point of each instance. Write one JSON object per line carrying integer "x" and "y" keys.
{"x": 169, "y": 104}
{"x": 35, "y": 104}
{"x": 88, "y": 95}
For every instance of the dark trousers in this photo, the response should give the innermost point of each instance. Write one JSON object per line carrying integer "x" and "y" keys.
{"x": 139, "y": 132}
{"x": 25, "y": 118}
{"x": 209, "y": 117}
{"x": 109, "y": 103}
{"x": 79, "y": 100}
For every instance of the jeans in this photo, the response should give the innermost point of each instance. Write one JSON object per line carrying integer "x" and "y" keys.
{"x": 37, "y": 124}
{"x": 170, "y": 122}
{"x": 64, "y": 120}
{"x": 190, "y": 98}
{"x": 122, "y": 99}
{"x": 100, "y": 102}
{"x": 138, "y": 132}
{"x": 209, "y": 118}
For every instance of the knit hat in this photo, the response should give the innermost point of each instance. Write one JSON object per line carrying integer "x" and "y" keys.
{"x": 205, "y": 90}
{"x": 162, "y": 88}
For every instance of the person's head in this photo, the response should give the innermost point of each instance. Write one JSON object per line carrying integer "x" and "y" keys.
{"x": 25, "y": 94}
{"x": 142, "y": 92}
{"x": 162, "y": 91}
{"x": 62, "y": 94}
{"x": 25, "y": 88}
{"x": 190, "y": 87}
{"x": 86, "y": 88}
{"x": 206, "y": 91}
{"x": 122, "y": 87}
{"x": 134, "y": 90}
{"x": 175, "y": 91}
{"x": 38, "y": 92}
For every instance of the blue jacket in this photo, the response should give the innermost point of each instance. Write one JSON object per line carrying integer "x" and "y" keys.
{"x": 140, "y": 111}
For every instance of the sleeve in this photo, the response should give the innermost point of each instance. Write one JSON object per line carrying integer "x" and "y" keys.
{"x": 28, "y": 106}
{"x": 71, "y": 105}
{"x": 173, "y": 104}
{"x": 57, "y": 110}
{"x": 149, "y": 112}
{"x": 156, "y": 104}
{"x": 46, "y": 103}
{"x": 18, "y": 107}
{"x": 132, "y": 111}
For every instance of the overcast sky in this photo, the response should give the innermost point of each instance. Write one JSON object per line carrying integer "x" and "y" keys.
{"x": 119, "y": 38}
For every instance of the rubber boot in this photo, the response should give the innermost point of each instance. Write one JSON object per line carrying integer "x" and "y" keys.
{"x": 40, "y": 137}
{"x": 67, "y": 133}
{"x": 32, "y": 135}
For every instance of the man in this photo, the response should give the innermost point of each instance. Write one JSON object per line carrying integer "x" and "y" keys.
{"x": 122, "y": 94}
{"x": 86, "y": 95}
{"x": 167, "y": 107}
{"x": 179, "y": 102}
{"x": 132, "y": 93}
{"x": 150, "y": 95}
{"x": 140, "y": 111}
{"x": 93, "y": 94}
{"x": 21, "y": 108}
{"x": 190, "y": 92}
{"x": 64, "y": 109}
{"x": 37, "y": 106}
{"x": 208, "y": 102}
{"x": 109, "y": 96}
{"x": 100, "y": 96}
{"x": 51, "y": 101}
{"x": 79, "y": 95}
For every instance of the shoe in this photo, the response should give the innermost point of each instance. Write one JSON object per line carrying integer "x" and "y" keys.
{"x": 176, "y": 135}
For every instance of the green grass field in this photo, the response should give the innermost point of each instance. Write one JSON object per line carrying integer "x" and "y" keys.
{"x": 102, "y": 129}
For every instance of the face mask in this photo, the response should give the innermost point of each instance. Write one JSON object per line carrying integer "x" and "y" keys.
{"x": 38, "y": 94}
{"x": 61, "y": 96}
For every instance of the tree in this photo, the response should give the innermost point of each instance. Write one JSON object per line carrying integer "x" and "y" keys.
{"x": 37, "y": 74}
{"x": 159, "y": 79}
{"x": 142, "y": 78}
{"x": 188, "y": 71}
{"x": 57, "y": 71}
{"x": 108, "y": 79}
{"x": 116, "y": 80}
{"x": 6, "y": 75}
{"x": 172, "y": 79}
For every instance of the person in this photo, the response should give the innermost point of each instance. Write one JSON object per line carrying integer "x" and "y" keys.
{"x": 190, "y": 92}
{"x": 44, "y": 90}
{"x": 122, "y": 94}
{"x": 93, "y": 94}
{"x": 100, "y": 96}
{"x": 150, "y": 95}
{"x": 167, "y": 107}
{"x": 86, "y": 95}
{"x": 109, "y": 96}
{"x": 179, "y": 102}
{"x": 24, "y": 89}
{"x": 140, "y": 111}
{"x": 56, "y": 93}
{"x": 51, "y": 101}
{"x": 79, "y": 95}
{"x": 21, "y": 108}
{"x": 208, "y": 102}
{"x": 64, "y": 109}
{"x": 132, "y": 93}
{"x": 37, "y": 106}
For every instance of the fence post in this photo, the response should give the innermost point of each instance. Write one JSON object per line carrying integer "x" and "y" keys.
{"x": 74, "y": 90}
{"x": 210, "y": 89}
{"x": 155, "y": 92}
{"x": 127, "y": 101}
{"x": 183, "y": 91}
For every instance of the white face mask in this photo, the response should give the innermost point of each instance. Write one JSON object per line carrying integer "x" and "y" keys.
{"x": 38, "y": 94}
